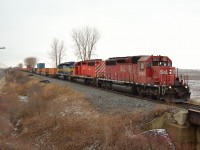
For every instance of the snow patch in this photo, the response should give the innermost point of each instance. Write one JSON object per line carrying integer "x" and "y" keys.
{"x": 23, "y": 98}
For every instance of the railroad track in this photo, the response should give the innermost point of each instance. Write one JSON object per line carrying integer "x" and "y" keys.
{"x": 190, "y": 106}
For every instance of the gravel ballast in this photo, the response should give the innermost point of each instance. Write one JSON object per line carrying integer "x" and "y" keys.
{"x": 105, "y": 101}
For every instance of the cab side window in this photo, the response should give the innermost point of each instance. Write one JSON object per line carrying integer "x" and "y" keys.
{"x": 148, "y": 65}
{"x": 169, "y": 64}
{"x": 155, "y": 63}
{"x": 141, "y": 65}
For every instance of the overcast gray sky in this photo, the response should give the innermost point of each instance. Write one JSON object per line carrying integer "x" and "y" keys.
{"x": 127, "y": 27}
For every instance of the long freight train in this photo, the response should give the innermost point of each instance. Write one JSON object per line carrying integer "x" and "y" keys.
{"x": 145, "y": 76}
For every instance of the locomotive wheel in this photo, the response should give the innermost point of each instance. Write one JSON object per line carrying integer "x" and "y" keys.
{"x": 186, "y": 97}
{"x": 168, "y": 97}
{"x": 68, "y": 78}
{"x": 99, "y": 84}
{"x": 71, "y": 79}
{"x": 155, "y": 97}
{"x": 103, "y": 85}
{"x": 109, "y": 85}
{"x": 140, "y": 93}
{"x": 134, "y": 90}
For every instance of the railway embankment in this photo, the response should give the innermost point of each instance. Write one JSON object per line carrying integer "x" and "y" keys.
{"x": 64, "y": 115}
{"x": 166, "y": 121}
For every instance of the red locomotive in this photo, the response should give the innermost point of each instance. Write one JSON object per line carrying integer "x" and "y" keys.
{"x": 88, "y": 70}
{"x": 149, "y": 76}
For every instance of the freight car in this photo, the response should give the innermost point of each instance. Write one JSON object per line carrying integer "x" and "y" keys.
{"x": 63, "y": 70}
{"x": 146, "y": 76}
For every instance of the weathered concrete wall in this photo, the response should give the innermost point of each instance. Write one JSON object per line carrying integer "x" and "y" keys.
{"x": 198, "y": 138}
{"x": 184, "y": 137}
{"x": 180, "y": 117}
{"x": 157, "y": 123}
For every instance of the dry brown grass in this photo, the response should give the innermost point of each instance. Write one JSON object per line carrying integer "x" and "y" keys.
{"x": 60, "y": 118}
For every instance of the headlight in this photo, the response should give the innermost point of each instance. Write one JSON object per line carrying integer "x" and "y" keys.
{"x": 186, "y": 86}
{"x": 169, "y": 87}
{"x": 170, "y": 71}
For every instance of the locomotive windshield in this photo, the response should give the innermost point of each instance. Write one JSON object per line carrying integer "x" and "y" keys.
{"x": 161, "y": 61}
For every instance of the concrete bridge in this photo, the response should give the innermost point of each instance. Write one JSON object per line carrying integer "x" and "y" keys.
{"x": 182, "y": 127}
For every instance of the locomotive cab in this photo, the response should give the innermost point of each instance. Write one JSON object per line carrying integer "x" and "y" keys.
{"x": 65, "y": 69}
{"x": 158, "y": 71}
{"x": 162, "y": 71}
{"x": 87, "y": 71}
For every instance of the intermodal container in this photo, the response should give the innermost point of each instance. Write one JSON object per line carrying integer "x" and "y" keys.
{"x": 41, "y": 65}
{"x": 52, "y": 71}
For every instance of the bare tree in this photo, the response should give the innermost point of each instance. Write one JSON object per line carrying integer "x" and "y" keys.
{"x": 61, "y": 52}
{"x": 20, "y": 65}
{"x": 57, "y": 51}
{"x": 30, "y": 62}
{"x": 85, "y": 40}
